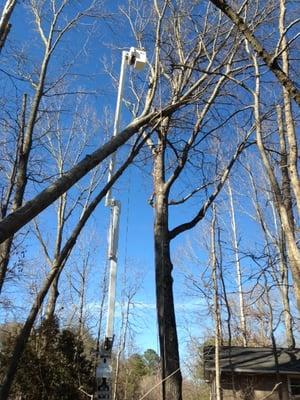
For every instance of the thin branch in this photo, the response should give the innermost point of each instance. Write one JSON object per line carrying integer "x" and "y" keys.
{"x": 201, "y": 213}
{"x": 159, "y": 383}
{"x": 274, "y": 67}
{"x": 187, "y": 197}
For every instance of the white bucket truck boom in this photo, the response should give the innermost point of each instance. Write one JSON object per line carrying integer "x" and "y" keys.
{"x": 137, "y": 59}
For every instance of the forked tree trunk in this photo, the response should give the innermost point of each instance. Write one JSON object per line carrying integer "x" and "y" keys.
{"x": 53, "y": 296}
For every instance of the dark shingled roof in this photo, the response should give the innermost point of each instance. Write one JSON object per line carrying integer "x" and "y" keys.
{"x": 253, "y": 360}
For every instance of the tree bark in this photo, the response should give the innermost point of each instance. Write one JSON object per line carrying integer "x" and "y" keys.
{"x": 293, "y": 250}
{"x": 289, "y": 120}
{"x": 238, "y": 268}
{"x": 284, "y": 290}
{"x": 53, "y": 296}
{"x": 4, "y": 21}
{"x": 171, "y": 387}
{"x": 281, "y": 245}
{"x": 5, "y": 247}
{"x": 217, "y": 319}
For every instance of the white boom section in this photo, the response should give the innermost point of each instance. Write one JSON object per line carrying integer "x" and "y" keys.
{"x": 116, "y": 125}
{"x": 136, "y": 58}
{"x": 112, "y": 256}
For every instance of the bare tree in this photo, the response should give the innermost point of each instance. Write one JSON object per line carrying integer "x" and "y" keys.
{"x": 238, "y": 266}
{"x": 272, "y": 328}
{"x": 130, "y": 289}
{"x": 66, "y": 149}
{"x": 5, "y": 25}
{"x": 289, "y": 135}
{"x": 284, "y": 214}
{"x": 197, "y": 72}
{"x": 185, "y": 68}
{"x": 51, "y": 32}
{"x": 23, "y": 336}
{"x": 270, "y": 59}
{"x": 274, "y": 237}
{"x": 17, "y": 183}
{"x": 216, "y": 313}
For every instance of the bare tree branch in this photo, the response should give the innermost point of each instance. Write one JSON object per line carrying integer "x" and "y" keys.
{"x": 271, "y": 62}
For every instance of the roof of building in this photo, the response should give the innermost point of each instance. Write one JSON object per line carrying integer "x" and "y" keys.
{"x": 260, "y": 360}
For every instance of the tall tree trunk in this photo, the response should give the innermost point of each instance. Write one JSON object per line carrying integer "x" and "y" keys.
{"x": 289, "y": 120}
{"x": 60, "y": 216}
{"x": 217, "y": 318}
{"x": 281, "y": 245}
{"x": 5, "y": 247}
{"x": 229, "y": 314}
{"x": 170, "y": 364}
{"x": 53, "y": 295}
{"x": 82, "y": 292}
{"x": 272, "y": 334}
{"x": 238, "y": 268}
{"x": 284, "y": 290}
{"x": 293, "y": 250}
{"x": 24, "y": 154}
{"x": 165, "y": 303}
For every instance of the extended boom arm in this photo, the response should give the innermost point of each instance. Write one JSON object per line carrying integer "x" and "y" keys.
{"x": 136, "y": 58}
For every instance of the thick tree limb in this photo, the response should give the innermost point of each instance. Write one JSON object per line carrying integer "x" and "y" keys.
{"x": 4, "y": 21}
{"x": 16, "y": 220}
{"x": 23, "y": 336}
{"x": 271, "y": 61}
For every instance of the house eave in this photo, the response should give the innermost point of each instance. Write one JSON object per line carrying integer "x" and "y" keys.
{"x": 256, "y": 371}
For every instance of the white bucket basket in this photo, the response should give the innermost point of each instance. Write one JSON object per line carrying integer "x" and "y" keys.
{"x": 137, "y": 58}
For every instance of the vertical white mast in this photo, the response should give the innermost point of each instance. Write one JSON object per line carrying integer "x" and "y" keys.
{"x": 116, "y": 122}
{"x": 115, "y": 206}
{"x": 136, "y": 58}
